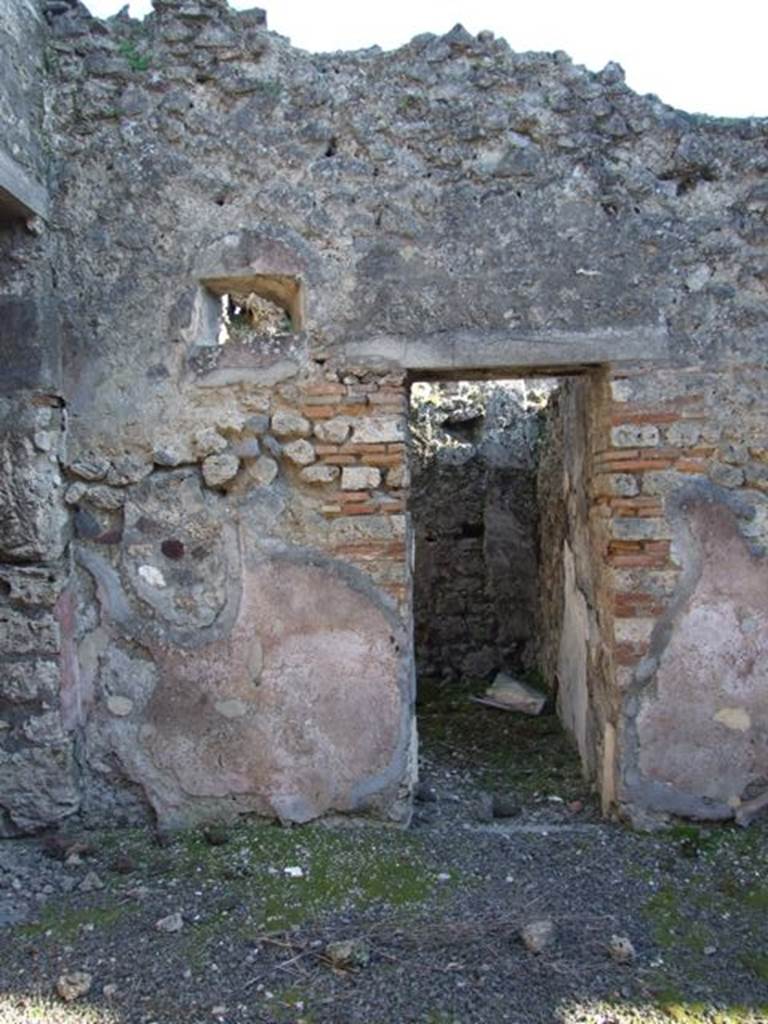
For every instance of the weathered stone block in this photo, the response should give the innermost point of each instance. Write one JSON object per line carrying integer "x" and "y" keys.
{"x": 218, "y": 470}
{"x": 106, "y": 498}
{"x": 33, "y": 585}
{"x": 27, "y": 681}
{"x": 264, "y": 470}
{"x": 33, "y": 521}
{"x": 379, "y": 430}
{"x": 90, "y": 467}
{"x": 300, "y": 452}
{"x": 634, "y": 435}
{"x": 323, "y": 474}
{"x": 290, "y": 424}
{"x": 333, "y": 431}
{"x": 208, "y": 442}
{"x": 21, "y": 634}
{"x": 39, "y": 786}
{"x": 360, "y": 478}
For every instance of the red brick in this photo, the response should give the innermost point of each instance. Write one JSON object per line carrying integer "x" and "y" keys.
{"x": 640, "y": 465}
{"x": 325, "y": 388}
{"x": 628, "y": 605}
{"x": 351, "y": 496}
{"x": 382, "y": 460}
{"x": 645, "y": 416}
{"x": 318, "y": 412}
{"x": 360, "y": 448}
{"x": 692, "y": 465}
{"x": 367, "y": 509}
{"x": 339, "y": 460}
{"x": 637, "y": 560}
{"x": 349, "y": 407}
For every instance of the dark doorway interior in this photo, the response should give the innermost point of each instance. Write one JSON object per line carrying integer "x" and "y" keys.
{"x": 477, "y": 454}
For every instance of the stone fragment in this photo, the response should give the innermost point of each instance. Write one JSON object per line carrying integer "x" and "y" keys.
{"x": 505, "y": 806}
{"x": 272, "y": 446}
{"x": 75, "y": 493}
{"x": 129, "y": 469}
{"x": 218, "y": 470}
{"x": 152, "y": 575}
{"x": 216, "y": 835}
{"x": 256, "y": 425}
{"x": 90, "y": 467}
{"x": 264, "y": 470}
{"x": 119, "y": 706}
{"x": 360, "y": 478}
{"x": 172, "y": 923}
{"x": 620, "y": 949}
{"x": 425, "y": 793}
{"x": 91, "y": 883}
{"x": 247, "y": 448}
{"x": 635, "y": 435}
{"x": 105, "y": 498}
{"x": 322, "y": 474}
{"x": 300, "y": 452}
{"x": 208, "y": 442}
{"x": 483, "y": 808}
{"x": 348, "y": 953}
{"x": 286, "y": 423}
{"x": 122, "y": 864}
{"x": 379, "y": 430}
{"x": 73, "y": 985}
{"x": 726, "y": 476}
{"x": 333, "y": 431}
{"x": 538, "y": 935}
{"x": 171, "y": 455}
{"x": 513, "y": 695}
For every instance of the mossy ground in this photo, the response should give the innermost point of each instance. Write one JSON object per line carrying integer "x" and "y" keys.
{"x": 528, "y": 756}
{"x": 714, "y": 900}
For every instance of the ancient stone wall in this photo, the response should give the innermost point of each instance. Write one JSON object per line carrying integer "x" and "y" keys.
{"x": 573, "y": 630}
{"x": 229, "y": 629}
{"x": 684, "y": 498}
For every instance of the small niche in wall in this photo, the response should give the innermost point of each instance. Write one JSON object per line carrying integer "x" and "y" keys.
{"x": 244, "y": 308}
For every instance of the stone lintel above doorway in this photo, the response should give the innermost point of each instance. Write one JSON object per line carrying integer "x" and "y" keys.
{"x": 498, "y": 351}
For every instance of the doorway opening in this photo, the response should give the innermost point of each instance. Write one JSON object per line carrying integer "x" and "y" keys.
{"x": 504, "y": 591}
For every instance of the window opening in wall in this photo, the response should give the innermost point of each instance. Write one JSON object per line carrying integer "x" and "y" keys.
{"x": 488, "y": 463}
{"x": 243, "y": 308}
{"x": 245, "y": 315}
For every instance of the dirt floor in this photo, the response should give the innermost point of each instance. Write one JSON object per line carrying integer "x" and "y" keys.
{"x": 505, "y": 833}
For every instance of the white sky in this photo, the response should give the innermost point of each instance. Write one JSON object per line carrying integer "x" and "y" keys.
{"x": 707, "y": 56}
